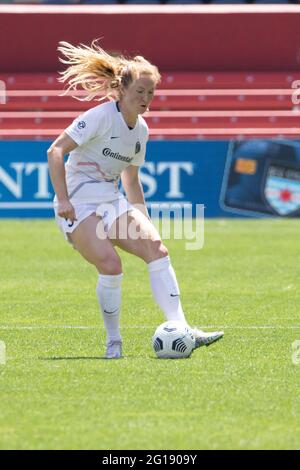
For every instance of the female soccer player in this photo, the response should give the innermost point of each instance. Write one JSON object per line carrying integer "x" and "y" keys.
{"x": 104, "y": 144}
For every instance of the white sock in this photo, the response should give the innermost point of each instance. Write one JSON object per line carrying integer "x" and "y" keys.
{"x": 165, "y": 289}
{"x": 109, "y": 297}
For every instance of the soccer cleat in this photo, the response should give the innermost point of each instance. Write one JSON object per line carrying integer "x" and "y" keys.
{"x": 113, "y": 349}
{"x": 206, "y": 339}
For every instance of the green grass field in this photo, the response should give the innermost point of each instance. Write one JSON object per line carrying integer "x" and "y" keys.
{"x": 241, "y": 393}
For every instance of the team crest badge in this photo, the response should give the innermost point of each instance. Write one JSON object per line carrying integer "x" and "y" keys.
{"x": 137, "y": 147}
{"x": 281, "y": 188}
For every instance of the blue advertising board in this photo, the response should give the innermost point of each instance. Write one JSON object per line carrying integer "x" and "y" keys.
{"x": 246, "y": 178}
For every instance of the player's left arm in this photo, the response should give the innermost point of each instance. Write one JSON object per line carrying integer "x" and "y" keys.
{"x": 133, "y": 188}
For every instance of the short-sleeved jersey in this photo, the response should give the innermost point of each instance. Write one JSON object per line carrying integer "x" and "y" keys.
{"x": 106, "y": 146}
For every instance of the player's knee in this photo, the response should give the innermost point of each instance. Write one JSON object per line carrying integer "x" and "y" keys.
{"x": 110, "y": 264}
{"x": 162, "y": 251}
{"x": 157, "y": 250}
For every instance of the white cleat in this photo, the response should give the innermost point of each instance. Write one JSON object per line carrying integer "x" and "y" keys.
{"x": 113, "y": 349}
{"x": 206, "y": 339}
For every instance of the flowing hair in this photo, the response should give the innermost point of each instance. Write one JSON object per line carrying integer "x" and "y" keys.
{"x": 99, "y": 73}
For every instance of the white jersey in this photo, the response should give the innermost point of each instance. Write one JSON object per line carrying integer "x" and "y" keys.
{"x": 106, "y": 146}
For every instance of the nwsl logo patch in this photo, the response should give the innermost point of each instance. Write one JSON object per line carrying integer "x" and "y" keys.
{"x": 81, "y": 125}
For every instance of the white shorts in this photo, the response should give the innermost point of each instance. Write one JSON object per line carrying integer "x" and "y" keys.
{"x": 108, "y": 211}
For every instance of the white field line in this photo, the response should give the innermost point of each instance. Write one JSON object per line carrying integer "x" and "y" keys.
{"x": 138, "y": 327}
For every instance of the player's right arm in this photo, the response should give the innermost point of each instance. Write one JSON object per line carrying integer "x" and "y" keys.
{"x": 61, "y": 147}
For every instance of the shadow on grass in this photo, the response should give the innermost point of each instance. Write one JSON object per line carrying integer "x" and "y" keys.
{"x": 102, "y": 358}
{"x": 75, "y": 358}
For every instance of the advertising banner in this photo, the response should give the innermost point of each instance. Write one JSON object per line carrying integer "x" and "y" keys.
{"x": 231, "y": 179}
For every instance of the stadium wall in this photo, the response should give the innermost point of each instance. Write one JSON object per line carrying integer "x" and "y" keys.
{"x": 193, "y": 38}
{"x": 242, "y": 178}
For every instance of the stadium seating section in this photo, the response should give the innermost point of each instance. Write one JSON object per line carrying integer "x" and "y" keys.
{"x": 242, "y": 89}
{"x": 187, "y": 105}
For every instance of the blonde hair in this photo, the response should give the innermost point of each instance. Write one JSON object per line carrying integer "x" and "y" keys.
{"x": 99, "y": 73}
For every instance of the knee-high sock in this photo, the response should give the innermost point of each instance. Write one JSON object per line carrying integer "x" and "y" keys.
{"x": 165, "y": 289}
{"x": 109, "y": 297}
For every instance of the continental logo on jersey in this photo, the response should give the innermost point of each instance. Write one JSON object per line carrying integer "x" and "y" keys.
{"x": 109, "y": 153}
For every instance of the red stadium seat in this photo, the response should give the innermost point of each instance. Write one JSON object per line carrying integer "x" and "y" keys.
{"x": 162, "y": 119}
{"x": 170, "y": 80}
{"x": 165, "y": 100}
{"x": 175, "y": 134}
{"x": 186, "y": 105}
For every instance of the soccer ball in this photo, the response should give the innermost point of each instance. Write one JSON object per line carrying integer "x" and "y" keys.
{"x": 173, "y": 340}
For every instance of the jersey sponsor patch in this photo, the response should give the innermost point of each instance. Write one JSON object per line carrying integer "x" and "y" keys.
{"x": 107, "y": 152}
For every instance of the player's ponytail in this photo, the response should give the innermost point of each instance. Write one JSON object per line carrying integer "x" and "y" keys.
{"x": 98, "y": 73}
{"x": 90, "y": 68}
